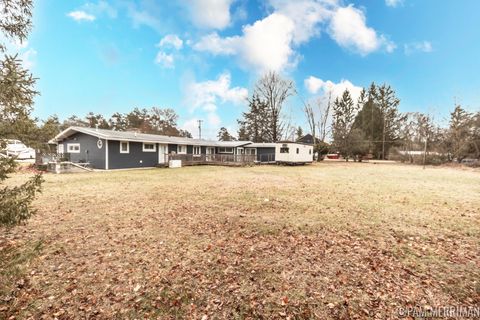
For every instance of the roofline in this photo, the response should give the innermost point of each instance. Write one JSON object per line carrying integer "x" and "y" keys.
{"x": 196, "y": 142}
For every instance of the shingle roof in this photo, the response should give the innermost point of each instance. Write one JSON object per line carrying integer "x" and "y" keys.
{"x": 144, "y": 137}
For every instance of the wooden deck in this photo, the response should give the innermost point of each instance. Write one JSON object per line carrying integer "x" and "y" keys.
{"x": 236, "y": 160}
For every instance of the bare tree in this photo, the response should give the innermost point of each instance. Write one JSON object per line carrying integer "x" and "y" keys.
{"x": 274, "y": 90}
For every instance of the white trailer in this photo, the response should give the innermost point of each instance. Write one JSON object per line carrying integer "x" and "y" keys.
{"x": 293, "y": 153}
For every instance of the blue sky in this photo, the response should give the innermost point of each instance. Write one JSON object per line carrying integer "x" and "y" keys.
{"x": 202, "y": 57}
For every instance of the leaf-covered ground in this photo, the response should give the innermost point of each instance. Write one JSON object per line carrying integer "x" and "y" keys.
{"x": 326, "y": 241}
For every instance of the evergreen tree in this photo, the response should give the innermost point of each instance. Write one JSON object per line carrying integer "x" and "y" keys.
{"x": 256, "y": 122}
{"x": 344, "y": 111}
{"x": 299, "y": 132}
{"x": 388, "y": 104}
{"x": 224, "y": 135}
{"x": 459, "y": 134}
{"x": 16, "y": 103}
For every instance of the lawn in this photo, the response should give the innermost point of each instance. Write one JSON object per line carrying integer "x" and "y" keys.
{"x": 327, "y": 241}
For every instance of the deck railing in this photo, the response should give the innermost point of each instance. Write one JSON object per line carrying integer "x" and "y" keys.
{"x": 234, "y": 159}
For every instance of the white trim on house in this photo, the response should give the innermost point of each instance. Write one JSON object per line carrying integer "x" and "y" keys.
{"x": 106, "y": 154}
{"x": 72, "y": 147}
{"x": 182, "y": 149}
{"x": 251, "y": 151}
{"x": 148, "y": 149}
{"x": 225, "y": 149}
{"x": 162, "y": 152}
{"x": 197, "y": 151}
{"x": 128, "y": 147}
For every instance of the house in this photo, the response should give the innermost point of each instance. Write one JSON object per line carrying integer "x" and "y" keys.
{"x": 308, "y": 139}
{"x": 110, "y": 149}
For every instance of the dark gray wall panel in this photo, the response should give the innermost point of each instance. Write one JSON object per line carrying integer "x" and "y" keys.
{"x": 89, "y": 151}
{"x": 266, "y": 154}
{"x": 136, "y": 158}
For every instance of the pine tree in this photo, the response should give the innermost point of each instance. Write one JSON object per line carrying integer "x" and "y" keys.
{"x": 224, "y": 135}
{"x": 299, "y": 132}
{"x": 459, "y": 137}
{"x": 256, "y": 122}
{"x": 344, "y": 111}
{"x": 16, "y": 103}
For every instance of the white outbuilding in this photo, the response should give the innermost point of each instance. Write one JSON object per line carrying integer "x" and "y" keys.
{"x": 293, "y": 153}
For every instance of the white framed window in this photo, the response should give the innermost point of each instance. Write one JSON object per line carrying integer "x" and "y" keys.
{"x": 182, "y": 149}
{"x": 60, "y": 148}
{"x": 239, "y": 150}
{"x": 284, "y": 150}
{"x": 73, "y": 147}
{"x": 197, "y": 150}
{"x": 225, "y": 150}
{"x": 149, "y": 147}
{"x": 251, "y": 151}
{"x": 124, "y": 147}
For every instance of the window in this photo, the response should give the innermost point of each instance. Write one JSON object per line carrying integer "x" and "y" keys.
{"x": 225, "y": 150}
{"x": 284, "y": 150}
{"x": 73, "y": 147}
{"x": 310, "y": 151}
{"x": 182, "y": 149}
{"x": 298, "y": 151}
{"x": 197, "y": 150}
{"x": 124, "y": 147}
{"x": 149, "y": 147}
{"x": 60, "y": 148}
{"x": 239, "y": 150}
{"x": 250, "y": 151}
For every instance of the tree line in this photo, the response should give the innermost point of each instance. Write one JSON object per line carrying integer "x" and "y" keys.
{"x": 374, "y": 126}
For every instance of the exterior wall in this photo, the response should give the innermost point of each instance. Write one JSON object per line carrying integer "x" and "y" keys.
{"x": 305, "y": 153}
{"x": 136, "y": 158}
{"x": 89, "y": 151}
{"x": 265, "y": 154}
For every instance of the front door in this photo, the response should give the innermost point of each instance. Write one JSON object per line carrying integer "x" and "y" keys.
{"x": 162, "y": 153}
{"x": 210, "y": 153}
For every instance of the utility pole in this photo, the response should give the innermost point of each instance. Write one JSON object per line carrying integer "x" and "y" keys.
{"x": 199, "y": 128}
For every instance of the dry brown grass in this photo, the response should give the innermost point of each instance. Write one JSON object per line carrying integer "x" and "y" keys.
{"x": 339, "y": 241}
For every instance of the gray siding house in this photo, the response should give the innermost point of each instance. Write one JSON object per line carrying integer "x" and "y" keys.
{"x": 109, "y": 149}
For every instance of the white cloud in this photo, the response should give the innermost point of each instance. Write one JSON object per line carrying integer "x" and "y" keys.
{"x": 205, "y": 97}
{"x": 423, "y": 46}
{"x": 265, "y": 45}
{"x": 307, "y": 15}
{"x": 171, "y": 40}
{"x": 165, "y": 60}
{"x": 28, "y": 58}
{"x": 213, "y": 43}
{"x": 210, "y": 14}
{"x": 318, "y": 86}
{"x": 271, "y": 43}
{"x": 80, "y": 15}
{"x": 191, "y": 126}
{"x": 348, "y": 28}
{"x": 393, "y": 3}
{"x": 100, "y": 8}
